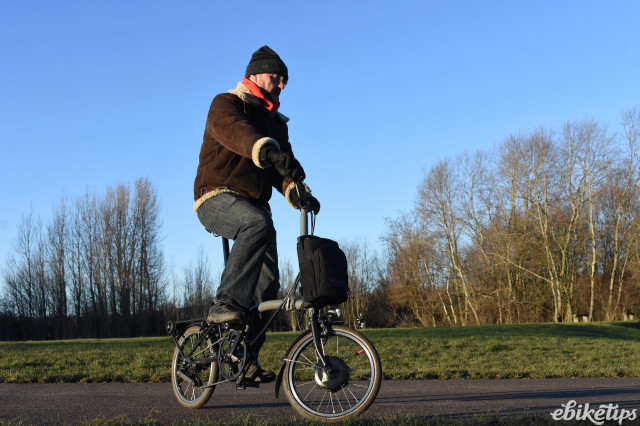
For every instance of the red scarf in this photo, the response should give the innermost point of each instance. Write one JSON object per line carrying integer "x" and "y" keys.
{"x": 268, "y": 104}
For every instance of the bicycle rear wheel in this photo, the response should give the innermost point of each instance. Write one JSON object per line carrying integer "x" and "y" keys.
{"x": 350, "y": 388}
{"x": 187, "y": 378}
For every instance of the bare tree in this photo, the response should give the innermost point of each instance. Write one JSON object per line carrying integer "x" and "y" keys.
{"x": 197, "y": 286}
{"x": 364, "y": 274}
{"x": 415, "y": 276}
{"x": 77, "y": 267}
{"x": 98, "y": 268}
{"x": 620, "y": 207}
{"x": 511, "y": 243}
{"x": 436, "y": 207}
{"x": 57, "y": 234}
{"x": 26, "y": 283}
{"x": 586, "y": 147}
{"x": 146, "y": 252}
{"x": 92, "y": 246}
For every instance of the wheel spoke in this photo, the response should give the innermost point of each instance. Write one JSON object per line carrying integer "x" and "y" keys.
{"x": 347, "y": 397}
{"x": 310, "y": 362}
{"x": 310, "y": 390}
{"x": 322, "y": 400}
{"x": 338, "y": 401}
{"x": 301, "y": 363}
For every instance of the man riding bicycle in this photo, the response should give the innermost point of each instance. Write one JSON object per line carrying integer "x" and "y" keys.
{"x": 245, "y": 153}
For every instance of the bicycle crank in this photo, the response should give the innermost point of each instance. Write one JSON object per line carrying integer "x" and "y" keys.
{"x": 232, "y": 355}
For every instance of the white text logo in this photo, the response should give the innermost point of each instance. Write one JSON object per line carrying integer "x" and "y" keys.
{"x": 605, "y": 412}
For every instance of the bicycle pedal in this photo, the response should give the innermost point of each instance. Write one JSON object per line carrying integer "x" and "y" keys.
{"x": 247, "y": 384}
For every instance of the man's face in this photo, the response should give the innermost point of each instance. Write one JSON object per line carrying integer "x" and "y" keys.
{"x": 273, "y": 84}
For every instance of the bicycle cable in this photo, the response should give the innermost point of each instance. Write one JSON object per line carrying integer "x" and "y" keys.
{"x": 313, "y": 221}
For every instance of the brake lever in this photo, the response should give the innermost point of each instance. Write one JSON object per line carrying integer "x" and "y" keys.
{"x": 302, "y": 195}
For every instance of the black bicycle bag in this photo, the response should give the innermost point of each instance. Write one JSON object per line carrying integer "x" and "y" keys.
{"x": 323, "y": 271}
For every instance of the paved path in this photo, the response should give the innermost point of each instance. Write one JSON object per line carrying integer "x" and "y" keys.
{"x": 70, "y": 402}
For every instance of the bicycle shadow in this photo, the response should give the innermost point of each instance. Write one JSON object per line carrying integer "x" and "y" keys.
{"x": 241, "y": 405}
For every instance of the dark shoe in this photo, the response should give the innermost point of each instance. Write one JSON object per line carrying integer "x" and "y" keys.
{"x": 220, "y": 313}
{"x": 257, "y": 375}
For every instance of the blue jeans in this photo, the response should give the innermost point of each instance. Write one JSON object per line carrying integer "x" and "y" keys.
{"x": 251, "y": 275}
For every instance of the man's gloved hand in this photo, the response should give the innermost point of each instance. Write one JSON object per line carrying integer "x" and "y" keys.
{"x": 313, "y": 203}
{"x": 284, "y": 163}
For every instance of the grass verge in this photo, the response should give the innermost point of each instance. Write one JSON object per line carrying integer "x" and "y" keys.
{"x": 607, "y": 349}
{"x": 390, "y": 420}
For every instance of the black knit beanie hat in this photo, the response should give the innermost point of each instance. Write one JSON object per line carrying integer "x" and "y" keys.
{"x": 265, "y": 60}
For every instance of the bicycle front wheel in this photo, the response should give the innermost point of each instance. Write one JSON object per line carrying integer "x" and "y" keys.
{"x": 347, "y": 389}
{"x": 192, "y": 369}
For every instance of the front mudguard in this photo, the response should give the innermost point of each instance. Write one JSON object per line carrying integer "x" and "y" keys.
{"x": 284, "y": 360}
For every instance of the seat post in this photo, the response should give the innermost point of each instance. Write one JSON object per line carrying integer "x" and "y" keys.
{"x": 225, "y": 249}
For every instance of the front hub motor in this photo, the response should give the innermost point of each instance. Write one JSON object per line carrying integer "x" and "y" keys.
{"x": 334, "y": 378}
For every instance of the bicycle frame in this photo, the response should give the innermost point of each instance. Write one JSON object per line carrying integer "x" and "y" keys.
{"x": 289, "y": 303}
{"x": 317, "y": 325}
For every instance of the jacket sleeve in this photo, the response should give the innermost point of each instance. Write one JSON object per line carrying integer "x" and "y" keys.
{"x": 282, "y": 184}
{"x": 286, "y": 185}
{"x": 229, "y": 125}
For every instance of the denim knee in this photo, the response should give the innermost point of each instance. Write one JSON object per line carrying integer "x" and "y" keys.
{"x": 261, "y": 227}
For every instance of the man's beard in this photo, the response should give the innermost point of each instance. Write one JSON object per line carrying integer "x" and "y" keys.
{"x": 274, "y": 95}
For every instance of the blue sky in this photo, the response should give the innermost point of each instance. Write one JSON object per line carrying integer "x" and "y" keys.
{"x": 94, "y": 94}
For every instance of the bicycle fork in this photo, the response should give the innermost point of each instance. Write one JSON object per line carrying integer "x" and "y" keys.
{"x": 316, "y": 332}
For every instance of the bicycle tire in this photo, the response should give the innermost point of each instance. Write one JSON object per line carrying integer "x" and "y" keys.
{"x": 308, "y": 394}
{"x": 187, "y": 379}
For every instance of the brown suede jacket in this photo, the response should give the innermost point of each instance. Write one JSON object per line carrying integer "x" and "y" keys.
{"x": 236, "y": 130}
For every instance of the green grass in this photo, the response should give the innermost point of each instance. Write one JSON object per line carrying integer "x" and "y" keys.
{"x": 491, "y": 351}
{"x": 389, "y": 420}
{"x": 511, "y": 351}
